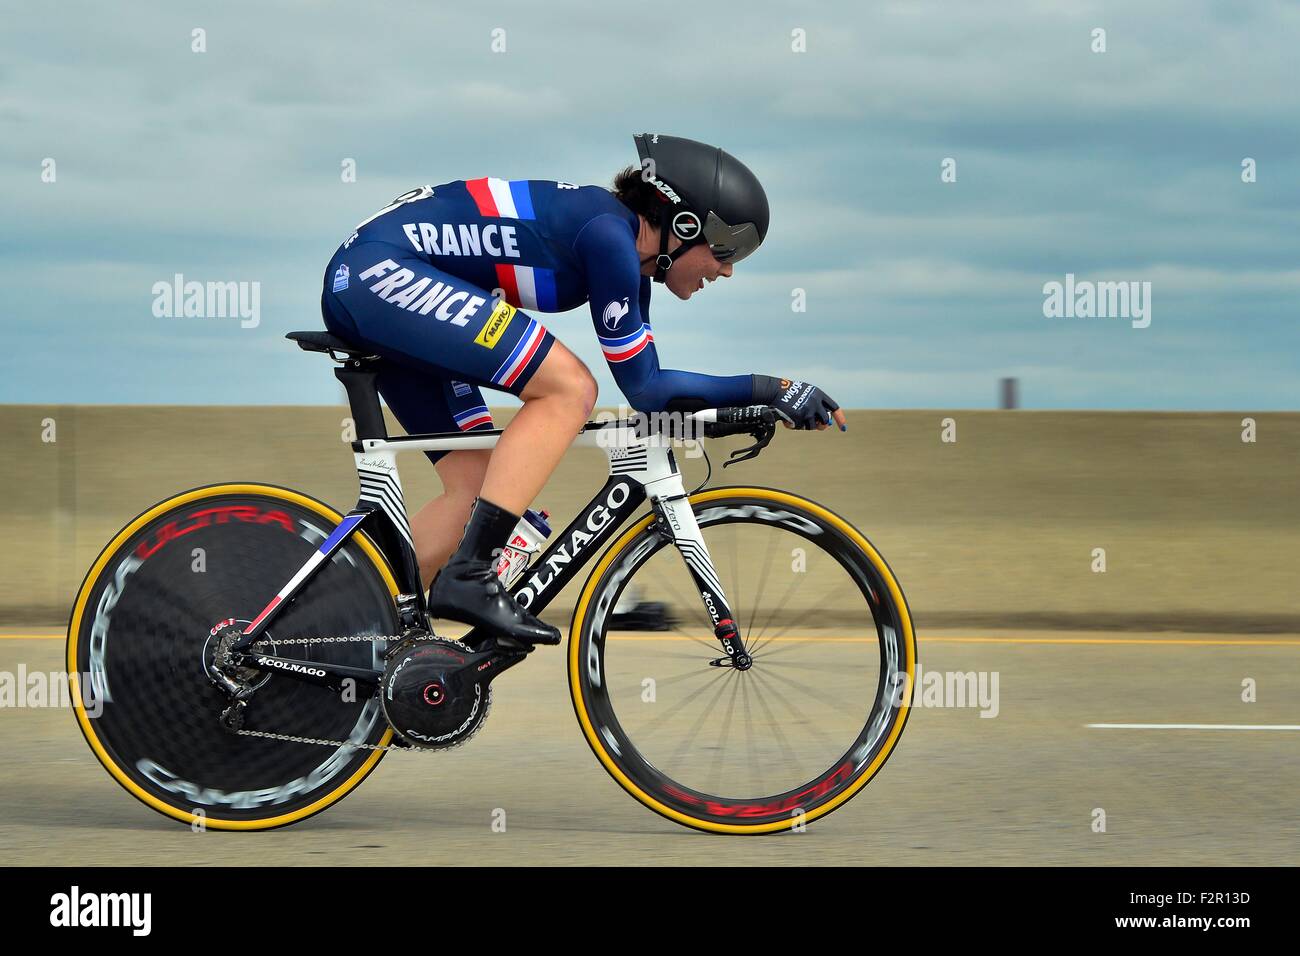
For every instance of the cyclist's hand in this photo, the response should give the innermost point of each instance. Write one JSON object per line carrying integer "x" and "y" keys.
{"x": 840, "y": 419}
{"x": 799, "y": 404}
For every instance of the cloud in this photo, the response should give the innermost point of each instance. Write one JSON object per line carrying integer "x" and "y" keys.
{"x": 226, "y": 165}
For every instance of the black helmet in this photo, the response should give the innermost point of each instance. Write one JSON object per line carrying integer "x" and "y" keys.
{"x": 711, "y": 197}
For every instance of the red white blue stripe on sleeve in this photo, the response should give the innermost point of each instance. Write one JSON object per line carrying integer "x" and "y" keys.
{"x": 626, "y": 346}
{"x": 473, "y": 418}
{"x": 522, "y": 354}
{"x": 505, "y": 198}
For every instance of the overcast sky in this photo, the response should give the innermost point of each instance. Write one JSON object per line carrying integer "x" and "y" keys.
{"x": 225, "y": 165}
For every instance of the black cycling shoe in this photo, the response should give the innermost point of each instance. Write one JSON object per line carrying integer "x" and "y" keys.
{"x": 470, "y": 591}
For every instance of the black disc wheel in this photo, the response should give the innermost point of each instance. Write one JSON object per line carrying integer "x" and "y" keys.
{"x": 149, "y": 619}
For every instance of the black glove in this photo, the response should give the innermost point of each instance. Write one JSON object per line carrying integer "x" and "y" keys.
{"x": 798, "y": 403}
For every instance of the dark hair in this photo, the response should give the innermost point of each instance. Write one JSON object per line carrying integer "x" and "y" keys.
{"x": 639, "y": 195}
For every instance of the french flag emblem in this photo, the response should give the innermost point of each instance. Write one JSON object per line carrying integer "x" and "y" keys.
{"x": 528, "y": 287}
{"x": 502, "y": 198}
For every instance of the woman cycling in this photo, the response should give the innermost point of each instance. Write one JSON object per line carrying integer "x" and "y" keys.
{"x": 436, "y": 282}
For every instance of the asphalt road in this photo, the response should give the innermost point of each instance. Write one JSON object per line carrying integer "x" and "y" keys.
{"x": 1023, "y": 787}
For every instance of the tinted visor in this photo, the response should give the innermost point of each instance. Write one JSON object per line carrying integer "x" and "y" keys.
{"x": 730, "y": 243}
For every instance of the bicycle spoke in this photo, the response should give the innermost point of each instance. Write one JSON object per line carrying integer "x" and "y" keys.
{"x": 762, "y": 580}
{"x": 703, "y": 671}
{"x": 749, "y": 739}
{"x": 726, "y": 732}
{"x": 662, "y": 720}
{"x": 776, "y": 727}
{"x": 812, "y": 724}
{"x": 695, "y": 729}
{"x": 796, "y": 620}
{"x": 713, "y": 654}
{"x": 813, "y": 692}
{"x": 830, "y": 666}
{"x": 785, "y": 599}
{"x": 735, "y": 576}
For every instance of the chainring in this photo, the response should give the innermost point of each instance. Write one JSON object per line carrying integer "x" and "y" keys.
{"x": 433, "y": 694}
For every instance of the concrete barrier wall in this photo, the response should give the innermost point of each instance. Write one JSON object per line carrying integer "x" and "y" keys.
{"x": 1201, "y": 530}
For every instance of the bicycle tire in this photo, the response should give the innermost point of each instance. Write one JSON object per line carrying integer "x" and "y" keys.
{"x": 862, "y": 759}
{"x": 139, "y": 630}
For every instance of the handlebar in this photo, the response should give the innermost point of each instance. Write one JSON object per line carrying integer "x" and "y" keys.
{"x": 758, "y": 421}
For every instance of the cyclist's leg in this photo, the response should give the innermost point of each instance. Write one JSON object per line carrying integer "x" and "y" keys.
{"x": 558, "y": 400}
{"x": 441, "y": 522}
{"x": 427, "y": 402}
{"x": 409, "y": 311}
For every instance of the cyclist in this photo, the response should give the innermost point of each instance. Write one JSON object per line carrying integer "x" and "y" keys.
{"x": 436, "y": 284}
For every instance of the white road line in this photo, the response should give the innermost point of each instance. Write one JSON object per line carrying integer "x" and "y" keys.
{"x": 1195, "y": 726}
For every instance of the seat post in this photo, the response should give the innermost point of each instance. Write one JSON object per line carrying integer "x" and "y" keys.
{"x": 363, "y": 397}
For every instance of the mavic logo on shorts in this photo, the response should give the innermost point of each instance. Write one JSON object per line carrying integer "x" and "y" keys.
{"x": 495, "y": 325}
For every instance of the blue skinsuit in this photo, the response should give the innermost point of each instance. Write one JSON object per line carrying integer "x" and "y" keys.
{"x": 416, "y": 284}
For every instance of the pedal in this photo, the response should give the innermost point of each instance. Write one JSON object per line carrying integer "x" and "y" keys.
{"x": 508, "y": 644}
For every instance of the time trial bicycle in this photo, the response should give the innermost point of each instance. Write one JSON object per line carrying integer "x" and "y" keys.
{"x": 263, "y": 683}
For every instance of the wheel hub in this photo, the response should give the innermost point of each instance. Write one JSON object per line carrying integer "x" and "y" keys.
{"x": 741, "y": 662}
{"x": 216, "y": 656}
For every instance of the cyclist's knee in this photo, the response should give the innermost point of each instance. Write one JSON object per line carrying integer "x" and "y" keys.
{"x": 565, "y": 380}
{"x": 585, "y": 392}
{"x": 578, "y": 393}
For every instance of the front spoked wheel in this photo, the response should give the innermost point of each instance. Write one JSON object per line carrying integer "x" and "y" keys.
{"x": 790, "y": 739}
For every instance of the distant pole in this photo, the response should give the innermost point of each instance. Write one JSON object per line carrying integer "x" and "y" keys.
{"x": 1010, "y": 393}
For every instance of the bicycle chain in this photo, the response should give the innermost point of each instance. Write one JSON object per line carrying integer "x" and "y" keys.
{"x": 291, "y": 738}
{"x": 331, "y": 640}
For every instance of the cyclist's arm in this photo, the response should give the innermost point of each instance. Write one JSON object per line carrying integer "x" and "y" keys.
{"x": 620, "y": 297}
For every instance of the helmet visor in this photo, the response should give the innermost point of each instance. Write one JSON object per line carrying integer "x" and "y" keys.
{"x": 730, "y": 243}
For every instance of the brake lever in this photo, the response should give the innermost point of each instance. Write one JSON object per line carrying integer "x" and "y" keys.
{"x": 762, "y": 435}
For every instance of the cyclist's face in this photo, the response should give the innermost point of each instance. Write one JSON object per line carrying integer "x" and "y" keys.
{"x": 693, "y": 269}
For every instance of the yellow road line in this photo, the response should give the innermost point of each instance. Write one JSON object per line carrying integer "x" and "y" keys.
{"x": 1173, "y": 641}
{"x": 1184, "y": 641}
{"x": 922, "y": 639}
{"x": 1194, "y": 726}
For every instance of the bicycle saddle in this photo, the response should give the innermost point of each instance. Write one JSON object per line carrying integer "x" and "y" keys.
{"x": 325, "y": 342}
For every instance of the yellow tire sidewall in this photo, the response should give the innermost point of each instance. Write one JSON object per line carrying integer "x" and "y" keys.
{"x": 74, "y": 634}
{"x": 582, "y": 609}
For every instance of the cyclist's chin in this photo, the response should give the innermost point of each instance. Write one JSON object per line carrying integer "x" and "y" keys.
{"x": 683, "y": 293}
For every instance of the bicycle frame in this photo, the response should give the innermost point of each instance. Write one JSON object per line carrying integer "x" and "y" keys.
{"x": 641, "y": 467}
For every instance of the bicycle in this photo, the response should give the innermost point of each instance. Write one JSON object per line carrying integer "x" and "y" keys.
{"x": 265, "y": 685}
